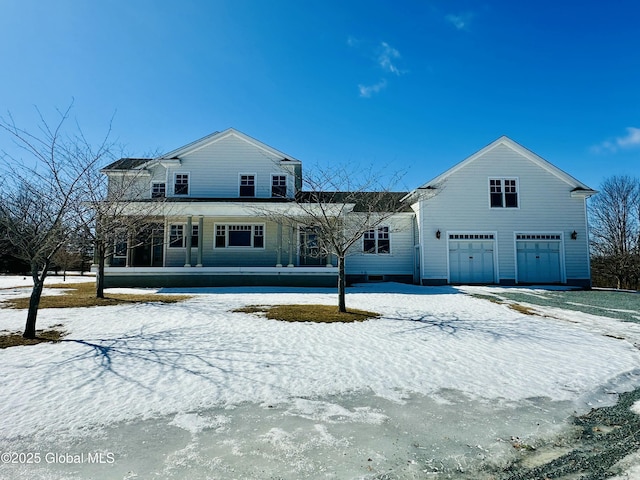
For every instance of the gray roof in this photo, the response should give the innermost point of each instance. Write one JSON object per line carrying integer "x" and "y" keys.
{"x": 364, "y": 201}
{"x": 126, "y": 163}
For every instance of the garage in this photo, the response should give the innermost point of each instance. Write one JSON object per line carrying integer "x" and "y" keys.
{"x": 471, "y": 258}
{"x": 539, "y": 258}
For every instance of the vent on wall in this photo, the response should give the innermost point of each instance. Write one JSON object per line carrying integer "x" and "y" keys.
{"x": 375, "y": 278}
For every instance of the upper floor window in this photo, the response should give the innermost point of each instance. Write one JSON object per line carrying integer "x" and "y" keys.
{"x": 377, "y": 241}
{"x": 158, "y": 189}
{"x": 247, "y": 185}
{"x": 503, "y": 192}
{"x": 279, "y": 186}
{"x": 181, "y": 184}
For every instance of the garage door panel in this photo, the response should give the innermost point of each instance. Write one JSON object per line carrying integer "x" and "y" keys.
{"x": 539, "y": 262}
{"x": 471, "y": 261}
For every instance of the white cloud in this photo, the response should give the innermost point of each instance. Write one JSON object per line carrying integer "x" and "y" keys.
{"x": 367, "y": 90}
{"x": 386, "y": 57}
{"x": 460, "y": 22}
{"x": 630, "y": 140}
{"x": 353, "y": 42}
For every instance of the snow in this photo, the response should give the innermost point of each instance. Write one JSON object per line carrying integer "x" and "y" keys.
{"x": 11, "y": 281}
{"x": 191, "y": 367}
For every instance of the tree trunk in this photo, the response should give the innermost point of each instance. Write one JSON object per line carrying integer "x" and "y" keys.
{"x": 342, "y": 304}
{"x": 34, "y": 300}
{"x": 100, "y": 272}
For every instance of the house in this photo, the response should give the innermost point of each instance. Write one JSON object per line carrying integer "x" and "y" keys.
{"x": 505, "y": 216}
{"x": 214, "y": 215}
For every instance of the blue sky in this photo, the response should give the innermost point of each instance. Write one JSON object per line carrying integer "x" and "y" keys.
{"x": 415, "y": 86}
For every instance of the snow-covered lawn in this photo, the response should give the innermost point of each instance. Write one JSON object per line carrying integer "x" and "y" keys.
{"x": 166, "y": 388}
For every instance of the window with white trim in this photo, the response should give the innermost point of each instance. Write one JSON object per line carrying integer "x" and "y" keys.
{"x": 239, "y": 236}
{"x": 279, "y": 186}
{"x": 158, "y": 189}
{"x": 247, "y": 185}
{"x": 177, "y": 237}
{"x": 377, "y": 241}
{"x": 120, "y": 244}
{"x": 194, "y": 235}
{"x": 503, "y": 192}
{"x": 181, "y": 184}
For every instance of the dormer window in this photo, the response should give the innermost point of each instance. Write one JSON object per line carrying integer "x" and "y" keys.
{"x": 181, "y": 184}
{"x": 503, "y": 192}
{"x": 247, "y": 185}
{"x": 279, "y": 186}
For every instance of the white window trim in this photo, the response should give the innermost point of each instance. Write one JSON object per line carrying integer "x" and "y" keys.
{"x": 226, "y": 235}
{"x": 173, "y": 185}
{"x": 115, "y": 242}
{"x": 184, "y": 237}
{"x": 158, "y": 182}
{"x": 377, "y": 239}
{"x": 255, "y": 184}
{"x": 184, "y": 242}
{"x": 502, "y": 179}
{"x": 286, "y": 186}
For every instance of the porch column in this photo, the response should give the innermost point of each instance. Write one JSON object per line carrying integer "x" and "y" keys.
{"x": 291, "y": 246}
{"x": 127, "y": 262}
{"x": 279, "y": 248}
{"x": 187, "y": 261}
{"x": 200, "y": 235}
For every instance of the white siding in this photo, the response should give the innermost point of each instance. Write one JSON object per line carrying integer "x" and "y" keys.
{"x": 462, "y": 204}
{"x": 401, "y": 259}
{"x": 215, "y": 169}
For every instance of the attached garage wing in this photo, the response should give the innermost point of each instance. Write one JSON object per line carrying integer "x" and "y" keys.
{"x": 539, "y": 258}
{"x": 472, "y": 258}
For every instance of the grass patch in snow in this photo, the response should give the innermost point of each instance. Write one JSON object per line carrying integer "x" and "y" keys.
{"x": 512, "y": 305}
{"x": 14, "y": 339}
{"x": 84, "y": 295}
{"x": 308, "y": 313}
{"x": 522, "y": 309}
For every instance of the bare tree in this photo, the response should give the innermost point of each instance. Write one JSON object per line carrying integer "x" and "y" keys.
{"x": 41, "y": 193}
{"x": 116, "y": 212}
{"x": 615, "y": 230}
{"x": 339, "y": 207}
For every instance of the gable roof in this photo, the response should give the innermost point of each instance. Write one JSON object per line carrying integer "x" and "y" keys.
{"x": 578, "y": 187}
{"x": 124, "y": 164}
{"x": 216, "y": 137}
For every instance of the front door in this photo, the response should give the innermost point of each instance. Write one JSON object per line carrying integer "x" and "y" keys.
{"x": 311, "y": 253}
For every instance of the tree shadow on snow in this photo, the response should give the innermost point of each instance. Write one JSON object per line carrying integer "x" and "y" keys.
{"x": 454, "y": 326}
{"x": 173, "y": 354}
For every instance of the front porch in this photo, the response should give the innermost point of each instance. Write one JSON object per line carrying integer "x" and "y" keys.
{"x": 324, "y": 276}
